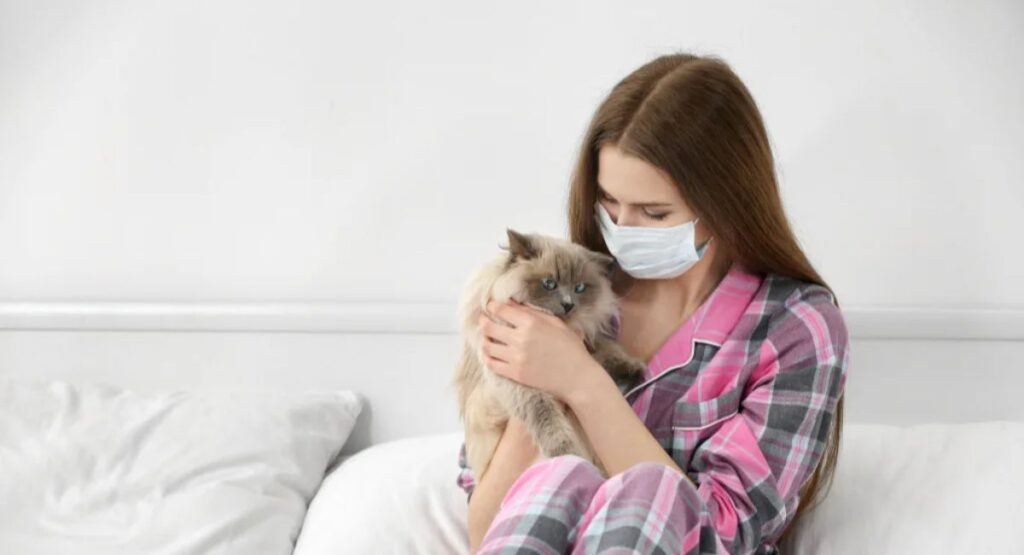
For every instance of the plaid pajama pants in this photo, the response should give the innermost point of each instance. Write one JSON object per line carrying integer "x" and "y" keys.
{"x": 563, "y": 505}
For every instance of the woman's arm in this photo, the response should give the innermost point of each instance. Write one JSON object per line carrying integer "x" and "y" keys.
{"x": 618, "y": 436}
{"x": 515, "y": 452}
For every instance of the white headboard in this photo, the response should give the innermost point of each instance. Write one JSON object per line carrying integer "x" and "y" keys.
{"x": 907, "y": 365}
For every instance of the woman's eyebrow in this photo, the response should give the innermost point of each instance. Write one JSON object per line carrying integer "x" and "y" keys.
{"x": 605, "y": 193}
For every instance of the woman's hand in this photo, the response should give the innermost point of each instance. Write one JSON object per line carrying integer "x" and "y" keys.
{"x": 537, "y": 349}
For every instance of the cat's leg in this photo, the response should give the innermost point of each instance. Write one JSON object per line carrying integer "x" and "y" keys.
{"x": 623, "y": 367}
{"x": 550, "y": 426}
{"x": 484, "y": 423}
{"x": 591, "y": 454}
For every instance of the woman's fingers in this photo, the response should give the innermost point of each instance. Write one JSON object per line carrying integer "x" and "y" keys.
{"x": 508, "y": 312}
{"x": 496, "y": 365}
{"x": 495, "y": 331}
{"x": 497, "y": 351}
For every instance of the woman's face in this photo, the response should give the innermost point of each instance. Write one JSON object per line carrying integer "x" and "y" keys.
{"x": 637, "y": 194}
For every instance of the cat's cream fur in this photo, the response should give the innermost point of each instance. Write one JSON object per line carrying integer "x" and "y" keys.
{"x": 486, "y": 399}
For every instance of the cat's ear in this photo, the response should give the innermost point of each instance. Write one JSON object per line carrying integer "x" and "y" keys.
{"x": 604, "y": 261}
{"x": 520, "y": 245}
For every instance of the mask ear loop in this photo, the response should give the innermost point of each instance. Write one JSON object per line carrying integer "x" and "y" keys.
{"x": 704, "y": 246}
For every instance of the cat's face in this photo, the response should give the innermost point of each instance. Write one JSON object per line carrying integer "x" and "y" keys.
{"x": 558, "y": 275}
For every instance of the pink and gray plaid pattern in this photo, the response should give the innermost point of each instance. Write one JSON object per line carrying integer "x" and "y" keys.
{"x": 741, "y": 396}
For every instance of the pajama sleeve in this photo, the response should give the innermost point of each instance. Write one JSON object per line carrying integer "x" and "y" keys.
{"x": 465, "y": 478}
{"x": 750, "y": 469}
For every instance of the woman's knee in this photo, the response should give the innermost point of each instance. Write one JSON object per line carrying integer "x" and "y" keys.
{"x": 572, "y": 468}
{"x": 569, "y": 474}
{"x": 647, "y": 477}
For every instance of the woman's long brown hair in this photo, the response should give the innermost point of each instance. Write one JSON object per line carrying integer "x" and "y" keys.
{"x": 692, "y": 117}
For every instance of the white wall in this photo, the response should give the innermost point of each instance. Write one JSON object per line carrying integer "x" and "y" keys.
{"x": 241, "y": 156}
{"x": 311, "y": 150}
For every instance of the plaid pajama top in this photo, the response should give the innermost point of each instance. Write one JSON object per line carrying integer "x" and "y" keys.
{"x": 741, "y": 396}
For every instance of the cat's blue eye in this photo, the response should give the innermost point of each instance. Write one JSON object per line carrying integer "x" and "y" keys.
{"x": 581, "y": 287}
{"x": 548, "y": 283}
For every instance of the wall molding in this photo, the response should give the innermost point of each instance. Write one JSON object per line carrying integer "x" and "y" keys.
{"x": 436, "y": 318}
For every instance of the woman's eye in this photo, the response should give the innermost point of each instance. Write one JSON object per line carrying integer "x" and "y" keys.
{"x": 581, "y": 287}
{"x": 548, "y": 283}
{"x": 605, "y": 197}
{"x": 657, "y": 216}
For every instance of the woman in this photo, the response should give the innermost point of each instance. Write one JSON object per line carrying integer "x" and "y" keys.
{"x": 736, "y": 426}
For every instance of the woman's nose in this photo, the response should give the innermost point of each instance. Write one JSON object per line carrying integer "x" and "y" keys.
{"x": 626, "y": 218}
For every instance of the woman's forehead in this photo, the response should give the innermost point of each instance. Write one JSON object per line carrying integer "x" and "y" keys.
{"x": 633, "y": 181}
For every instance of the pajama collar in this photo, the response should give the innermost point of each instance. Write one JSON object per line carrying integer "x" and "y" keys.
{"x": 711, "y": 323}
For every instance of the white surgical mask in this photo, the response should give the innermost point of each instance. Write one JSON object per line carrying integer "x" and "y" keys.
{"x": 651, "y": 252}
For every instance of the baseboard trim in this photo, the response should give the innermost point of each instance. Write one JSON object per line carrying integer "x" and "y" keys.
{"x": 436, "y": 318}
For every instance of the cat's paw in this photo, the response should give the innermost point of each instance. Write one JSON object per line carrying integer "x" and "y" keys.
{"x": 634, "y": 367}
{"x": 628, "y": 383}
{"x": 561, "y": 446}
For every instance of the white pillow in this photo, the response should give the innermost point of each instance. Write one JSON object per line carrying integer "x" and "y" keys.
{"x": 92, "y": 468}
{"x": 396, "y": 497}
{"x": 929, "y": 488}
{"x": 934, "y": 488}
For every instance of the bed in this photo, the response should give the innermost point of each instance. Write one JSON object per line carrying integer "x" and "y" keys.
{"x": 315, "y": 428}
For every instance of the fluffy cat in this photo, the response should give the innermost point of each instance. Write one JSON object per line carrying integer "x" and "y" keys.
{"x": 544, "y": 272}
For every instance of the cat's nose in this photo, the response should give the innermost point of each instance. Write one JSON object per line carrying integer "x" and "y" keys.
{"x": 567, "y": 306}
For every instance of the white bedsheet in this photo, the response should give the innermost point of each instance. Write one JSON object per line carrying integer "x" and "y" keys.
{"x": 932, "y": 488}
